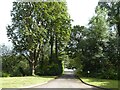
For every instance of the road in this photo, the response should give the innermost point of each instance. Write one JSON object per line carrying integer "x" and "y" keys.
{"x": 66, "y": 81}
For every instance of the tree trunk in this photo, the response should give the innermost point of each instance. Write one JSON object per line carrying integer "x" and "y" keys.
{"x": 42, "y": 59}
{"x": 56, "y": 48}
{"x": 51, "y": 42}
{"x": 32, "y": 68}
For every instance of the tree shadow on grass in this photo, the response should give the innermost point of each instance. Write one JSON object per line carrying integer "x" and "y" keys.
{"x": 112, "y": 84}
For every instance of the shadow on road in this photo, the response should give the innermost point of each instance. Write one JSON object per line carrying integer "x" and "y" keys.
{"x": 67, "y": 76}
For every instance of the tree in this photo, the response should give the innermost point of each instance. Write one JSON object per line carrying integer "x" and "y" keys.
{"x": 90, "y": 48}
{"x": 36, "y": 24}
{"x": 76, "y": 46}
{"x": 58, "y": 30}
{"x": 114, "y": 19}
{"x": 26, "y": 32}
{"x": 4, "y": 51}
{"x": 9, "y": 62}
{"x": 113, "y": 13}
{"x": 98, "y": 38}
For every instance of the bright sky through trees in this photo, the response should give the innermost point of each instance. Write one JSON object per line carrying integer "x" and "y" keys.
{"x": 80, "y": 11}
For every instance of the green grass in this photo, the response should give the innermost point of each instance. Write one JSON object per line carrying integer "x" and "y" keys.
{"x": 101, "y": 82}
{"x": 17, "y": 82}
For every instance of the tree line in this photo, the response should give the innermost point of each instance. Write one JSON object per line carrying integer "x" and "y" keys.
{"x": 39, "y": 32}
{"x": 44, "y": 40}
{"x": 94, "y": 50}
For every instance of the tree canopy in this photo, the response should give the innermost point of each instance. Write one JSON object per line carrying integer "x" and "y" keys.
{"x": 36, "y": 24}
{"x": 43, "y": 39}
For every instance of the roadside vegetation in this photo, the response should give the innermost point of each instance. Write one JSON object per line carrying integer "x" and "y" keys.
{"x": 39, "y": 33}
{"x": 44, "y": 40}
{"x": 94, "y": 50}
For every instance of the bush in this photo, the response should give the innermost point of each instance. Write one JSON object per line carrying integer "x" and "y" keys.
{"x": 0, "y": 73}
{"x": 52, "y": 69}
{"x": 14, "y": 65}
{"x": 5, "y": 74}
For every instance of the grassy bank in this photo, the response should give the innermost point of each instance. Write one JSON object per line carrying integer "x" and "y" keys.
{"x": 16, "y": 82}
{"x": 101, "y": 82}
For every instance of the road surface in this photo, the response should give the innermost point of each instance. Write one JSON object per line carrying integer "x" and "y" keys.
{"x": 66, "y": 81}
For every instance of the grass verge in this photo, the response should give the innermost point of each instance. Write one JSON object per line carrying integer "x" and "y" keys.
{"x": 101, "y": 82}
{"x": 17, "y": 82}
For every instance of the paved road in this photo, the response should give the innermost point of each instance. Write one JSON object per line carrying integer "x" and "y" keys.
{"x": 66, "y": 81}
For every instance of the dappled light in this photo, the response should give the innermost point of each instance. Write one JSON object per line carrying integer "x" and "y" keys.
{"x": 48, "y": 48}
{"x": 101, "y": 82}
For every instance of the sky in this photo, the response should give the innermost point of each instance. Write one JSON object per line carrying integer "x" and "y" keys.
{"x": 80, "y": 11}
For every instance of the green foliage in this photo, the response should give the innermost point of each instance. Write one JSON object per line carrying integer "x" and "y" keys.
{"x": 113, "y": 13}
{"x": 39, "y": 30}
{"x": 114, "y": 19}
{"x": 54, "y": 68}
{"x": 5, "y": 74}
{"x": 94, "y": 49}
{"x": 11, "y": 65}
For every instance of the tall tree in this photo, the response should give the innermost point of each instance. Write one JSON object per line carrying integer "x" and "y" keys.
{"x": 114, "y": 19}
{"x": 98, "y": 37}
{"x": 26, "y": 33}
{"x": 87, "y": 44}
{"x": 59, "y": 31}
{"x": 113, "y": 13}
{"x": 36, "y": 24}
{"x": 60, "y": 26}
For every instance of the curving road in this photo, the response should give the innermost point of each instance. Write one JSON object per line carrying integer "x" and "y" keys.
{"x": 67, "y": 80}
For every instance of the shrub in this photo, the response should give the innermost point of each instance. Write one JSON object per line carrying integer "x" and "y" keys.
{"x": 4, "y": 74}
{"x": 51, "y": 69}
